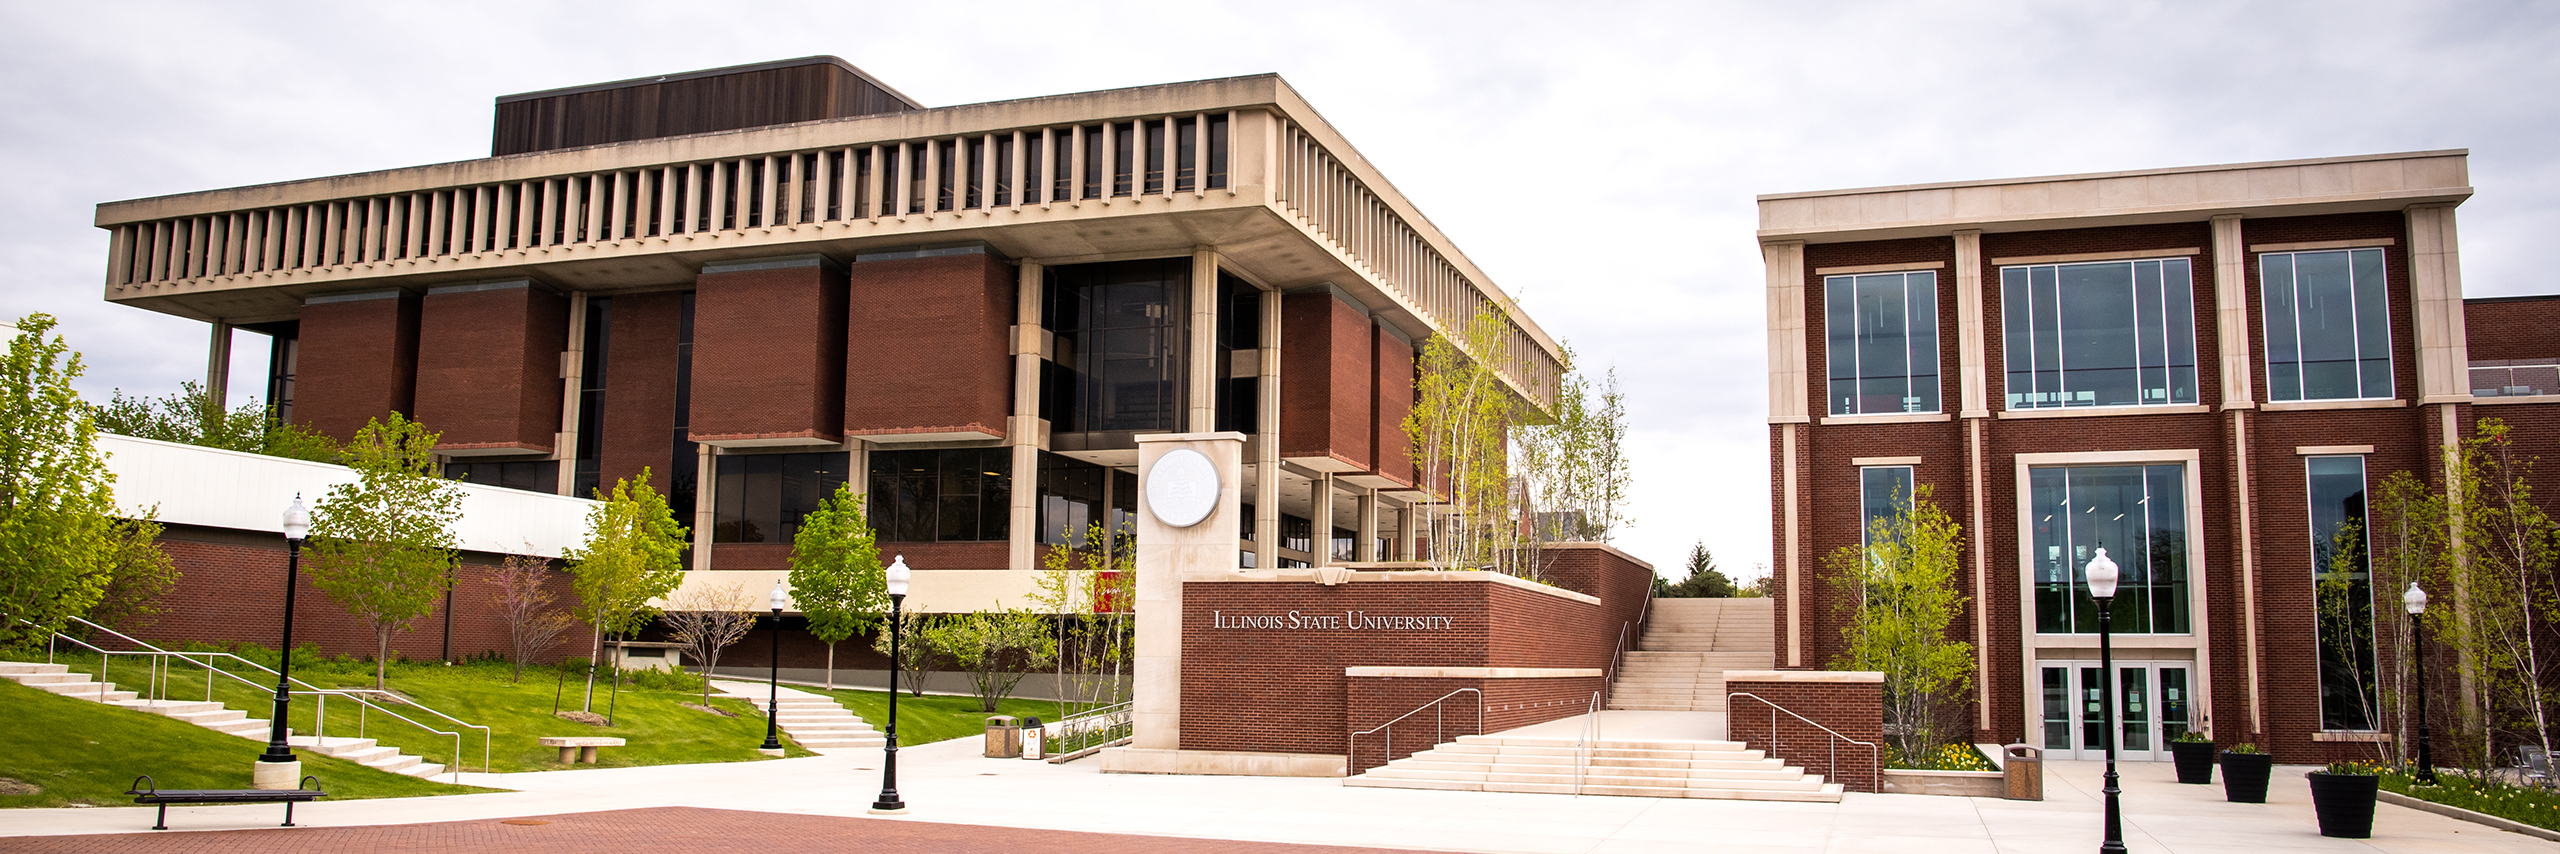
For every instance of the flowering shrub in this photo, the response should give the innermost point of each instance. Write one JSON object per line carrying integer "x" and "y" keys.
{"x": 2516, "y": 803}
{"x": 1948, "y": 757}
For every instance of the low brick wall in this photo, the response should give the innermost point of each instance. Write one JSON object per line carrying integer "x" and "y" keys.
{"x": 1500, "y": 700}
{"x": 1850, "y": 703}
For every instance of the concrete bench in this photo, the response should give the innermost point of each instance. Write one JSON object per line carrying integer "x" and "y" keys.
{"x": 579, "y": 748}
{"x": 147, "y": 791}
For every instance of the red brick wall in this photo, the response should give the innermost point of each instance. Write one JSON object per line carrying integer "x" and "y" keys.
{"x": 1325, "y": 379}
{"x": 928, "y": 351}
{"x": 639, "y": 417}
{"x": 1390, "y": 403}
{"x": 768, "y": 355}
{"x": 1851, "y": 709}
{"x": 1284, "y": 691}
{"x": 231, "y": 589}
{"x": 489, "y": 368}
{"x": 2503, "y": 329}
{"x": 358, "y": 361}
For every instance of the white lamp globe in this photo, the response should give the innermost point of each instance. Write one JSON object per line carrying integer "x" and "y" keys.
{"x": 898, "y": 574}
{"x": 2102, "y": 576}
{"x": 780, "y": 597}
{"x": 2415, "y": 601}
{"x": 297, "y": 521}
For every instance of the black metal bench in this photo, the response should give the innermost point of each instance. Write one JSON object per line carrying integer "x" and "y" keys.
{"x": 147, "y": 791}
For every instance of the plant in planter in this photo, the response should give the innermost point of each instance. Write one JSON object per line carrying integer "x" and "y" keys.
{"x": 2193, "y": 751}
{"x": 2342, "y": 795}
{"x": 2244, "y": 774}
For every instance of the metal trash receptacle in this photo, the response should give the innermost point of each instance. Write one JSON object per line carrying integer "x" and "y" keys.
{"x": 2023, "y": 766}
{"x": 1004, "y": 737}
{"x": 1035, "y": 742}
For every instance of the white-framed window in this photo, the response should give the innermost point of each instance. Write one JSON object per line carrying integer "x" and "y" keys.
{"x": 2107, "y": 333}
{"x": 1882, "y": 334}
{"x": 1883, "y": 491}
{"x": 2328, "y": 325}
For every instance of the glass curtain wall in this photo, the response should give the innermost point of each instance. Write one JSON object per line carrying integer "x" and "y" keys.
{"x": 1120, "y": 357}
{"x": 1882, "y": 491}
{"x": 2116, "y": 333}
{"x": 762, "y": 497}
{"x": 2343, "y": 571}
{"x": 950, "y": 495}
{"x": 2328, "y": 325}
{"x": 1882, "y": 334}
{"x": 2139, "y": 515}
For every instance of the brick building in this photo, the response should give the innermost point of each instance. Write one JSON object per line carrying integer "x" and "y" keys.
{"x": 2200, "y": 369}
{"x": 757, "y": 283}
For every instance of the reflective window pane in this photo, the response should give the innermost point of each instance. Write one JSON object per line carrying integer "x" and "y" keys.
{"x": 2115, "y": 333}
{"x": 2328, "y": 325}
{"x": 1881, "y": 341}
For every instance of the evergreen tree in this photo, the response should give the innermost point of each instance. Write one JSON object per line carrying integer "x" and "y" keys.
{"x": 1702, "y": 580}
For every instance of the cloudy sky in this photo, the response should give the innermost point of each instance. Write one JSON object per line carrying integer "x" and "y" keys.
{"x": 1599, "y": 160}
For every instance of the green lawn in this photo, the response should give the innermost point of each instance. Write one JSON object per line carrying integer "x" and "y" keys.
{"x": 81, "y": 752}
{"x": 933, "y": 717}
{"x": 659, "y": 731}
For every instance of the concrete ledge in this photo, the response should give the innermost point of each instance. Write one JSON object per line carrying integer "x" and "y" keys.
{"x": 1313, "y": 575}
{"x": 1474, "y": 672}
{"x": 1733, "y": 676}
{"x": 1962, "y": 784}
{"x": 2448, "y": 810}
{"x": 1135, "y": 760}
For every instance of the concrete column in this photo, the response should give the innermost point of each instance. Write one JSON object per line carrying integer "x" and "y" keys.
{"x": 1787, "y": 551}
{"x": 1205, "y": 369}
{"x": 2231, "y": 313}
{"x": 1784, "y": 263}
{"x": 217, "y": 365}
{"x": 1166, "y": 556}
{"x": 1266, "y": 439}
{"x": 1365, "y": 548}
{"x": 1973, "y": 386}
{"x": 1320, "y": 520}
{"x": 2435, "y": 279}
{"x": 1407, "y": 517}
{"x": 705, "y": 473}
{"x": 573, "y": 368}
{"x": 1023, "y": 433}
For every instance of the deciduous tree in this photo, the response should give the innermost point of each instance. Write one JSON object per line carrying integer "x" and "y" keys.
{"x": 836, "y": 578}
{"x": 996, "y": 647}
{"x": 58, "y": 546}
{"x": 1902, "y": 600}
{"x": 1460, "y": 423}
{"x": 707, "y": 619}
{"x": 521, "y": 594}
{"x": 383, "y": 545}
{"x": 633, "y": 555}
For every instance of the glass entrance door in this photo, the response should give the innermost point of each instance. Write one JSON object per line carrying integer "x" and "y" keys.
{"x": 2153, "y": 703}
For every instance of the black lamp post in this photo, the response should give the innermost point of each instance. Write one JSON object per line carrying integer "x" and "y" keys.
{"x": 773, "y": 677}
{"x": 888, "y": 802}
{"x": 2415, "y": 601}
{"x": 2102, "y": 587}
{"x": 297, "y": 521}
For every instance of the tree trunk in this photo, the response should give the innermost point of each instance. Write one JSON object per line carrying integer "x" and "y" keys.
{"x": 831, "y": 665}
{"x": 596, "y": 654}
{"x": 381, "y": 655}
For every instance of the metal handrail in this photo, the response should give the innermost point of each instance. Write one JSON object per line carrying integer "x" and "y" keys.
{"x": 1875, "y": 767}
{"x": 1107, "y": 720}
{"x": 1439, "y": 731}
{"x": 320, "y": 718}
{"x": 1617, "y": 658}
{"x": 1586, "y": 740}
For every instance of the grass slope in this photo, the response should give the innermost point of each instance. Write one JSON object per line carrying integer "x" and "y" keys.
{"x": 933, "y": 717}
{"x": 81, "y": 752}
{"x": 659, "y": 730}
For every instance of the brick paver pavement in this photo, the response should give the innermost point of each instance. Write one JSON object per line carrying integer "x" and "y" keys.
{"x": 691, "y": 830}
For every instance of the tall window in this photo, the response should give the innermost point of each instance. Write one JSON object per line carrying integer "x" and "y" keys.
{"x": 1882, "y": 490}
{"x": 1121, "y": 345}
{"x": 2139, "y": 515}
{"x": 2113, "y": 333}
{"x": 2345, "y": 599}
{"x": 2328, "y": 325}
{"x": 1076, "y": 495}
{"x": 761, "y": 498}
{"x": 951, "y": 495}
{"x": 1883, "y": 334}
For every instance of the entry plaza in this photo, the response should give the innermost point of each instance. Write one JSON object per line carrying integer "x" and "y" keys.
{"x": 1194, "y": 313}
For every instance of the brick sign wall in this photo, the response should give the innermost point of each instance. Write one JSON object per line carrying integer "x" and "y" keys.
{"x": 1849, "y": 703}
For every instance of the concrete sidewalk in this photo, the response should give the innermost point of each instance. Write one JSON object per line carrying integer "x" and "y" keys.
{"x": 949, "y": 783}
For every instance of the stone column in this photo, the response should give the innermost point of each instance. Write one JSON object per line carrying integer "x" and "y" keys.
{"x": 1320, "y": 519}
{"x": 1266, "y": 439}
{"x": 1023, "y": 433}
{"x": 1364, "y": 549}
{"x": 217, "y": 366}
{"x": 1166, "y": 555}
{"x": 1206, "y": 369}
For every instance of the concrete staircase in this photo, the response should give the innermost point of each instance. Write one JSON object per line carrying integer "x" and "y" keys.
{"x": 58, "y": 679}
{"x": 813, "y": 720}
{"x": 1625, "y": 768}
{"x": 1688, "y": 644}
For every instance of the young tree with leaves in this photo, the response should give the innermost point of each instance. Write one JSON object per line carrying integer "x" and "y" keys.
{"x": 142, "y": 574}
{"x": 707, "y": 619}
{"x": 916, "y": 656}
{"x": 383, "y": 546}
{"x": 633, "y": 555}
{"x": 836, "y": 577}
{"x": 58, "y": 544}
{"x": 1902, "y": 598}
{"x": 193, "y": 417}
{"x": 997, "y": 647}
{"x": 1092, "y": 594}
{"x": 1461, "y": 420}
{"x": 521, "y": 594}
{"x": 2505, "y": 549}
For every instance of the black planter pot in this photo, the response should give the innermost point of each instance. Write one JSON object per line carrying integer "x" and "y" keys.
{"x": 2344, "y": 803}
{"x": 2195, "y": 761}
{"x": 2244, "y": 777}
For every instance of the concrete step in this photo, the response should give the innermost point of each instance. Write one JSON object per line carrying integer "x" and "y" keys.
{"x": 255, "y": 728}
{"x": 30, "y": 668}
{"x": 422, "y": 769}
{"x": 171, "y": 708}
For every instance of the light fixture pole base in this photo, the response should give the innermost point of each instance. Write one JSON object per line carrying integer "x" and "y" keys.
{"x": 275, "y": 775}
{"x": 770, "y": 751}
{"x": 901, "y": 809}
